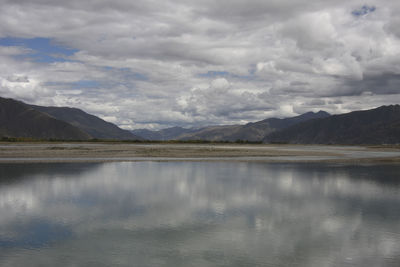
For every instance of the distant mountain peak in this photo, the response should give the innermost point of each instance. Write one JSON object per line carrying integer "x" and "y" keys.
{"x": 318, "y": 113}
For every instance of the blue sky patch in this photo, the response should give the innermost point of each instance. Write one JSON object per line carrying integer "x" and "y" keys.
{"x": 85, "y": 84}
{"x": 226, "y": 74}
{"x": 43, "y": 50}
{"x": 213, "y": 74}
{"x": 76, "y": 85}
{"x": 364, "y": 10}
{"x": 127, "y": 73}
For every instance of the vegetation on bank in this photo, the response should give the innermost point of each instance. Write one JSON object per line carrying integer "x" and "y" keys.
{"x": 114, "y": 141}
{"x": 95, "y": 140}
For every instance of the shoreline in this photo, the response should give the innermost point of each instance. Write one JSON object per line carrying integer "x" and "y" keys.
{"x": 106, "y": 152}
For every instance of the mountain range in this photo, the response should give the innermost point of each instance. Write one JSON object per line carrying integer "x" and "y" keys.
{"x": 164, "y": 134}
{"x": 253, "y": 132}
{"x": 375, "y": 126}
{"x": 21, "y": 120}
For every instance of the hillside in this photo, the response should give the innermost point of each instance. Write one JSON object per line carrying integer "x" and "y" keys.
{"x": 91, "y": 124}
{"x": 258, "y": 130}
{"x": 254, "y": 131}
{"x": 375, "y": 126}
{"x": 172, "y": 133}
{"x": 212, "y": 133}
{"x": 20, "y": 120}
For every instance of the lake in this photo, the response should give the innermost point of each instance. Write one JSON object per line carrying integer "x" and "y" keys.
{"x": 199, "y": 214}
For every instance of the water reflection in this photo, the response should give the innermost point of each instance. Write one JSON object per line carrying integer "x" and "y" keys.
{"x": 199, "y": 214}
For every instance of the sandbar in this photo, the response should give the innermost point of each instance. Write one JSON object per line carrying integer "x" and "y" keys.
{"x": 99, "y": 152}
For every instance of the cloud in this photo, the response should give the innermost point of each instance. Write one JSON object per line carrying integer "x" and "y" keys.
{"x": 311, "y": 31}
{"x": 164, "y": 63}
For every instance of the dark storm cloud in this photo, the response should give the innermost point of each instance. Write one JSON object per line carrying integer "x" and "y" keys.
{"x": 383, "y": 84}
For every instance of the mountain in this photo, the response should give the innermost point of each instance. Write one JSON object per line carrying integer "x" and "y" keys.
{"x": 287, "y": 122}
{"x": 91, "y": 124}
{"x": 18, "y": 119}
{"x": 148, "y": 134}
{"x": 254, "y": 131}
{"x": 212, "y": 133}
{"x": 375, "y": 126}
{"x": 165, "y": 134}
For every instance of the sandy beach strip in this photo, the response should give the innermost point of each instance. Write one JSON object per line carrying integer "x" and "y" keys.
{"x": 103, "y": 152}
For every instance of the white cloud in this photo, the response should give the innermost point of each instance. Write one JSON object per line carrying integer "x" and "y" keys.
{"x": 220, "y": 83}
{"x": 313, "y": 31}
{"x": 162, "y": 63}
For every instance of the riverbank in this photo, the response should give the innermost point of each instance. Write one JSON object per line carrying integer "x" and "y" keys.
{"x": 64, "y": 152}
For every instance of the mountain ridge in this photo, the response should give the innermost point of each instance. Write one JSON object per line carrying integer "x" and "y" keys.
{"x": 18, "y": 119}
{"x": 375, "y": 126}
{"x": 21, "y": 120}
{"x": 253, "y": 131}
{"x": 93, "y": 125}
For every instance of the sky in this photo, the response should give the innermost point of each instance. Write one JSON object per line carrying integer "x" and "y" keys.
{"x": 161, "y": 63}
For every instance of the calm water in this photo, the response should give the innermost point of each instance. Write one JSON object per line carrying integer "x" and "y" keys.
{"x": 199, "y": 214}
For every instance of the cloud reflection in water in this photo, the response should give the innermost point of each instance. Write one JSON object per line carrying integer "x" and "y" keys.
{"x": 199, "y": 214}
